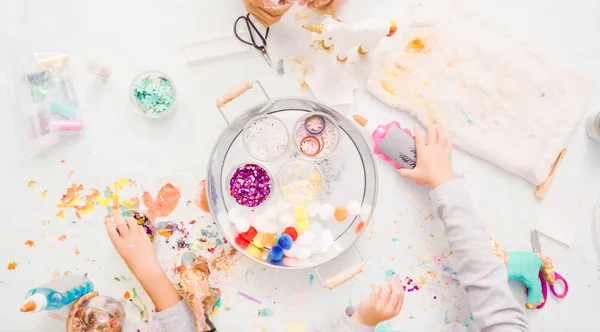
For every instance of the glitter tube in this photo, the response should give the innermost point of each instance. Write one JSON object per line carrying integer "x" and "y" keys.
{"x": 61, "y": 109}
{"x": 66, "y": 125}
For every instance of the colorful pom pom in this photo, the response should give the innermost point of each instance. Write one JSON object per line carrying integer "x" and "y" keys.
{"x": 250, "y": 234}
{"x": 268, "y": 239}
{"x": 300, "y": 213}
{"x": 254, "y": 251}
{"x": 291, "y": 231}
{"x": 340, "y": 213}
{"x": 285, "y": 241}
{"x": 241, "y": 242}
{"x": 302, "y": 226}
{"x": 276, "y": 253}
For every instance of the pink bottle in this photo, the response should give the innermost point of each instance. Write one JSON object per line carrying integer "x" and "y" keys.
{"x": 391, "y": 142}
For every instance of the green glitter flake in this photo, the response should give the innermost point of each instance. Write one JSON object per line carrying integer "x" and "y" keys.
{"x": 154, "y": 94}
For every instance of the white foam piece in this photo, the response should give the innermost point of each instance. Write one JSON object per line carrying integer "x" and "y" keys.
{"x": 286, "y": 219}
{"x": 317, "y": 228}
{"x": 303, "y": 253}
{"x": 365, "y": 211}
{"x": 242, "y": 224}
{"x": 322, "y": 244}
{"x": 354, "y": 208}
{"x": 326, "y": 212}
{"x": 282, "y": 206}
{"x": 271, "y": 213}
{"x": 306, "y": 238}
{"x": 292, "y": 252}
{"x": 313, "y": 209}
{"x": 234, "y": 214}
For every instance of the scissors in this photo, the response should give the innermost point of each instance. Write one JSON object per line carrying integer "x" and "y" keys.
{"x": 537, "y": 248}
{"x": 251, "y": 31}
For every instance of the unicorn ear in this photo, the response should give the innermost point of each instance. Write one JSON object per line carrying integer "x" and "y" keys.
{"x": 547, "y": 268}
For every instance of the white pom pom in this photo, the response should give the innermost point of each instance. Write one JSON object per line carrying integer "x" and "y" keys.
{"x": 306, "y": 239}
{"x": 303, "y": 253}
{"x": 271, "y": 213}
{"x": 322, "y": 244}
{"x": 234, "y": 214}
{"x": 365, "y": 211}
{"x": 354, "y": 208}
{"x": 317, "y": 228}
{"x": 292, "y": 252}
{"x": 282, "y": 206}
{"x": 313, "y": 209}
{"x": 287, "y": 219}
{"x": 326, "y": 212}
{"x": 242, "y": 224}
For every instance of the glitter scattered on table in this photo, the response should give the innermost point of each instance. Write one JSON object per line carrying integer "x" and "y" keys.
{"x": 250, "y": 185}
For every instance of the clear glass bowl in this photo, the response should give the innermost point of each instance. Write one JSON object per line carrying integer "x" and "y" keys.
{"x": 299, "y": 182}
{"x": 349, "y": 173}
{"x": 157, "y": 76}
{"x": 327, "y": 140}
{"x": 264, "y": 148}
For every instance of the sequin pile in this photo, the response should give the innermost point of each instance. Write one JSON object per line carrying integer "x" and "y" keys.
{"x": 250, "y": 185}
{"x": 154, "y": 94}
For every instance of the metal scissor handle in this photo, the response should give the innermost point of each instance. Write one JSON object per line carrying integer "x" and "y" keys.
{"x": 251, "y": 27}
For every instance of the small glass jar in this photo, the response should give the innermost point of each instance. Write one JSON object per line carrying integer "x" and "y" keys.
{"x": 153, "y": 94}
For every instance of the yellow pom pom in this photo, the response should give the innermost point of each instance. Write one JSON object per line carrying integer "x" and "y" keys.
{"x": 301, "y": 213}
{"x": 302, "y": 226}
{"x": 257, "y": 241}
{"x": 254, "y": 251}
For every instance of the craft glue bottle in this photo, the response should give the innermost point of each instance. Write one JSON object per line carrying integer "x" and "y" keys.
{"x": 57, "y": 293}
{"x": 396, "y": 145}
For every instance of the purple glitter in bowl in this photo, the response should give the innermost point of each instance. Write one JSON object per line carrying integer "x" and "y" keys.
{"x": 250, "y": 185}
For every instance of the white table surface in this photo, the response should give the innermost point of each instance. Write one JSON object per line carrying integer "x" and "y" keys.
{"x": 133, "y": 36}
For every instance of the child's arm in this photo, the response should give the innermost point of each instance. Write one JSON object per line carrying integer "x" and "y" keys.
{"x": 481, "y": 273}
{"x": 137, "y": 251}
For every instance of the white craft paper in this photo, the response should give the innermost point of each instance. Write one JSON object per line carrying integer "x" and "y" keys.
{"x": 332, "y": 85}
{"x": 560, "y": 219}
{"x": 502, "y": 99}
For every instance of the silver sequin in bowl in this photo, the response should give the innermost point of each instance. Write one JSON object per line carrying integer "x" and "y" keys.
{"x": 270, "y": 143}
{"x": 155, "y": 76}
{"x": 349, "y": 174}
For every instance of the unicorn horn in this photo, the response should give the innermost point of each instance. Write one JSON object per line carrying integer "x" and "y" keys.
{"x": 316, "y": 28}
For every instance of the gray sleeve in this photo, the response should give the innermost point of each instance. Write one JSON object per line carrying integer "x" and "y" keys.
{"x": 177, "y": 318}
{"x": 347, "y": 324}
{"x": 481, "y": 273}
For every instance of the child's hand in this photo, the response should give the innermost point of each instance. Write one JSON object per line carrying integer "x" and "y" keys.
{"x": 133, "y": 244}
{"x": 434, "y": 165}
{"x": 323, "y": 5}
{"x": 384, "y": 302}
{"x": 266, "y": 12}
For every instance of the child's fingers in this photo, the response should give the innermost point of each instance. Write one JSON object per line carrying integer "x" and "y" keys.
{"x": 442, "y": 136}
{"x": 419, "y": 140}
{"x": 384, "y": 296}
{"x": 411, "y": 174}
{"x": 112, "y": 232}
{"x": 397, "y": 296}
{"x": 132, "y": 224}
{"x": 448, "y": 147}
{"x": 120, "y": 223}
{"x": 432, "y": 135}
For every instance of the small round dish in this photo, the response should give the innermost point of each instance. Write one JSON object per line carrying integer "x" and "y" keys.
{"x": 316, "y": 135}
{"x": 299, "y": 182}
{"x": 250, "y": 185}
{"x": 266, "y": 138}
{"x": 153, "y": 94}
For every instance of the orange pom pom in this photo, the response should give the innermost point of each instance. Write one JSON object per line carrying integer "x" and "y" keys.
{"x": 340, "y": 213}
